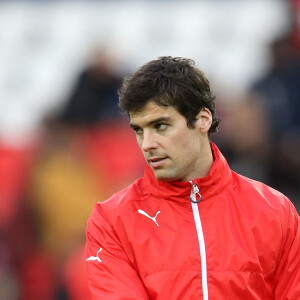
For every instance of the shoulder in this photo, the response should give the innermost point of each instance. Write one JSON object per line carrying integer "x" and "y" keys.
{"x": 124, "y": 197}
{"x": 261, "y": 196}
{"x": 119, "y": 202}
{"x": 265, "y": 210}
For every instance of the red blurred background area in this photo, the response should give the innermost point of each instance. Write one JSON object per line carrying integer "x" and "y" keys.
{"x": 47, "y": 194}
{"x": 15, "y": 165}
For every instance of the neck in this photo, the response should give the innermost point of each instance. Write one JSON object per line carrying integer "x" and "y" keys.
{"x": 206, "y": 159}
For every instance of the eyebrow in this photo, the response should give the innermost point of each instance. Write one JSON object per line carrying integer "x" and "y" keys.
{"x": 158, "y": 120}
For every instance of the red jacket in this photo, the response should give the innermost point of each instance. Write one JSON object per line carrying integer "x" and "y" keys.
{"x": 150, "y": 241}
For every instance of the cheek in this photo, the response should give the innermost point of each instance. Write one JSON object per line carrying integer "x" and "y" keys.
{"x": 178, "y": 147}
{"x": 186, "y": 141}
{"x": 139, "y": 142}
{"x": 188, "y": 147}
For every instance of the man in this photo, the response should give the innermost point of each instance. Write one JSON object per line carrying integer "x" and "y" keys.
{"x": 190, "y": 228}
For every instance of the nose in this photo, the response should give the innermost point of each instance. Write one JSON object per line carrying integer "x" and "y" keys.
{"x": 149, "y": 141}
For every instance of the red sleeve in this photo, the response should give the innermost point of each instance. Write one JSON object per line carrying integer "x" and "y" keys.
{"x": 287, "y": 276}
{"x": 110, "y": 273}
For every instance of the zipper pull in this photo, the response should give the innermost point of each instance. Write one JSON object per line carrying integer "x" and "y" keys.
{"x": 194, "y": 193}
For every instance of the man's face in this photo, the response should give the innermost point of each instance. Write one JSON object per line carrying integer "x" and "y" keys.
{"x": 171, "y": 149}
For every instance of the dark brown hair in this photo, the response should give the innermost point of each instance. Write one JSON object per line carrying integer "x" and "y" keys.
{"x": 169, "y": 81}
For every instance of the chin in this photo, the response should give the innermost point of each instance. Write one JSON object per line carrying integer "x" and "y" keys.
{"x": 164, "y": 177}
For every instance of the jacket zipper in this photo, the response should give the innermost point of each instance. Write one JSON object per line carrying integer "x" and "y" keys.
{"x": 193, "y": 197}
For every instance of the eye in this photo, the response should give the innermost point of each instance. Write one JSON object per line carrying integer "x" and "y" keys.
{"x": 161, "y": 126}
{"x": 138, "y": 130}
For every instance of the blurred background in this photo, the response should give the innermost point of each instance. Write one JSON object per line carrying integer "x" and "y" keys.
{"x": 64, "y": 145}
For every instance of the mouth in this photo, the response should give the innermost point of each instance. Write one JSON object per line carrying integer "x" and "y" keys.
{"x": 157, "y": 162}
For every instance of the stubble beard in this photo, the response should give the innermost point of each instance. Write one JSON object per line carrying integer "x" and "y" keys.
{"x": 166, "y": 174}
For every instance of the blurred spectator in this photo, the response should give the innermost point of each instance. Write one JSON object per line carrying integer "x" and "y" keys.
{"x": 94, "y": 97}
{"x": 81, "y": 162}
{"x": 48, "y": 189}
{"x": 279, "y": 93}
{"x": 266, "y": 143}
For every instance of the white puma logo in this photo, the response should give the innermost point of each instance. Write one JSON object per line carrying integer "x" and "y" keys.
{"x": 95, "y": 257}
{"x": 146, "y": 215}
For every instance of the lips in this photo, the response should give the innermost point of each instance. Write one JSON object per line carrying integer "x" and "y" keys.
{"x": 156, "y": 162}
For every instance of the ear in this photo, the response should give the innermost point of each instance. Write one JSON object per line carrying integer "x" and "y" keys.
{"x": 204, "y": 120}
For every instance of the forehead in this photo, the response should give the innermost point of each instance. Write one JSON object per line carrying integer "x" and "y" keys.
{"x": 151, "y": 111}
